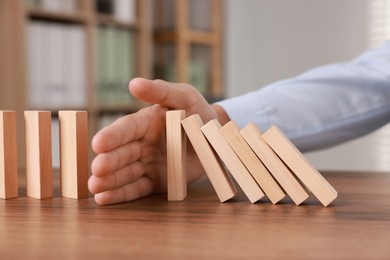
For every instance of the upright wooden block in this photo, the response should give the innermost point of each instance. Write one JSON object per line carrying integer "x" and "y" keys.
{"x": 8, "y": 155}
{"x": 176, "y": 156}
{"x": 276, "y": 167}
{"x": 231, "y": 132}
{"x": 293, "y": 158}
{"x": 232, "y": 162}
{"x": 74, "y": 154}
{"x": 219, "y": 178}
{"x": 39, "y": 171}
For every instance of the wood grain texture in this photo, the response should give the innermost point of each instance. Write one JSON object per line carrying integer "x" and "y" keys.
{"x": 8, "y": 155}
{"x": 215, "y": 171}
{"x": 231, "y": 132}
{"x": 74, "y": 154}
{"x": 176, "y": 156}
{"x": 301, "y": 167}
{"x": 232, "y": 162}
{"x": 355, "y": 226}
{"x": 39, "y": 154}
{"x": 276, "y": 167}
{"x": 13, "y": 69}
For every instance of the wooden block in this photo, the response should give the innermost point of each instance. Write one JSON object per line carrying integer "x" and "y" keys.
{"x": 74, "y": 154}
{"x": 305, "y": 172}
{"x": 8, "y": 155}
{"x": 176, "y": 156}
{"x": 275, "y": 166}
{"x": 231, "y": 132}
{"x": 39, "y": 172}
{"x": 215, "y": 171}
{"x": 232, "y": 162}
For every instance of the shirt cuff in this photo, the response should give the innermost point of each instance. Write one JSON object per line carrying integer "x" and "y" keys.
{"x": 246, "y": 109}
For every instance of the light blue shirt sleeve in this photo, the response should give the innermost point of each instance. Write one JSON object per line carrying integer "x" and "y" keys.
{"x": 324, "y": 106}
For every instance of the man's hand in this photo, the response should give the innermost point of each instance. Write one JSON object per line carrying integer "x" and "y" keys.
{"x": 131, "y": 152}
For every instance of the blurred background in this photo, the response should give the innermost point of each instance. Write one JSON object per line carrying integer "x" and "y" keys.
{"x": 69, "y": 54}
{"x": 266, "y": 41}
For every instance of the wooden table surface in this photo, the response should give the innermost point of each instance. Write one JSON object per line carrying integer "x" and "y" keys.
{"x": 355, "y": 226}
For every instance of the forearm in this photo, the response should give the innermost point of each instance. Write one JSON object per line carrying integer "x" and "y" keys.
{"x": 324, "y": 106}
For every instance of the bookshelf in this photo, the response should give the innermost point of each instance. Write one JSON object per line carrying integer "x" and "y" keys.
{"x": 88, "y": 22}
{"x": 188, "y": 39}
{"x": 27, "y": 27}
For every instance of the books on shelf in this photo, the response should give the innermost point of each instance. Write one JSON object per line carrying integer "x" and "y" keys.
{"x": 122, "y": 10}
{"x": 54, "y": 5}
{"x": 164, "y": 13}
{"x": 198, "y": 74}
{"x": 114, "y": 64}
{"x": 56, "y": 66}
{"x": 200, "y": 15}
{"x": 107, "y": 119}
{"x": 125, "y": 10}
{"x": 104, "y": 6}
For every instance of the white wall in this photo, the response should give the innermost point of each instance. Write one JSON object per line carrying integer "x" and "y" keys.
{"x": 266, "y": 41}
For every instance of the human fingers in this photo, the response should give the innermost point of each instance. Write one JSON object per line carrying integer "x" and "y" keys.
{"x": 106, "y": 163}
{"x": 119, "y": 178}
{"x": 140, "y": 188}
{"x": 171, "y": 95}
{"x": 123, "y": 130}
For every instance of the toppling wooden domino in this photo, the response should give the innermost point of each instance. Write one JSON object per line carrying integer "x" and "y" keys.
{"x": 176, "y": 156}
{"x": 215, "y": 171}
{"x": 38, "y": 154}
{"x": 306, "y": 173}
{"x": 270, "y": 159}
{"x": 74, "y": 154}
{"x": 232, "y": 162}
{"x": 276, "y": 167}
{"x": 231, "y": 132}
{"x": 8, "y": 155}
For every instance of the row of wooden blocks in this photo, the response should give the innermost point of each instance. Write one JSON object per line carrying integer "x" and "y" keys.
{"x": 39, "y": 173}
{"x": 261, "y": 163}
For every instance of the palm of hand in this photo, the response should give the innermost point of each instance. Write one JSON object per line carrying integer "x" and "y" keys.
{"x": 131, "y": 152}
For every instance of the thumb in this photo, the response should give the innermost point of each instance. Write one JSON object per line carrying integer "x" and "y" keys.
{"x": 171, "y": 95}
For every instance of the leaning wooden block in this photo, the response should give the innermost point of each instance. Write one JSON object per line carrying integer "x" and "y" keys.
{"x": 74, "y": 154}
{"x": 39, "y": 173}
{"x": 293, "y": 158}
{"x": 176, "y": 156}
{"x": 231, "y": 132}
{"x": 8, "y": 155}
{"x": 219, "y": 178}
{"x": 232, "y": 162}
{"x": 276, "y": 167}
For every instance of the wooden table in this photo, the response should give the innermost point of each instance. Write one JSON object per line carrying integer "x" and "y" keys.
{"x": 355, "y": 226}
